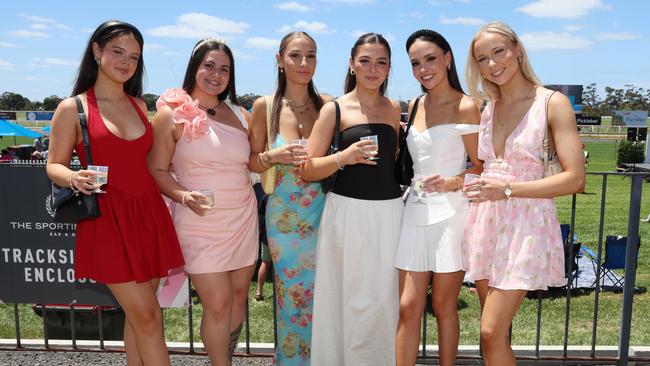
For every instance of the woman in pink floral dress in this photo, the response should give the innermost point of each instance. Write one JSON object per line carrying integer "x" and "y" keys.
{"x": 512, "y": 240}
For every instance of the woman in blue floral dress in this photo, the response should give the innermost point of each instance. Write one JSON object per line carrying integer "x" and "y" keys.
{"x": 294, "y": 206}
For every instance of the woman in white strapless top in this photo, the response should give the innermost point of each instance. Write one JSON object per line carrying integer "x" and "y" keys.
{"x": 444, "y": 133}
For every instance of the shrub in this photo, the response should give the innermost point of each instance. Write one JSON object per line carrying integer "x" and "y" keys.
{"x": 630, "y": 152}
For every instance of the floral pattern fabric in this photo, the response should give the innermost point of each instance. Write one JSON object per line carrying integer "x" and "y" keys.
{"x": 514, "y": 243}
{"x": 293, "y": 215}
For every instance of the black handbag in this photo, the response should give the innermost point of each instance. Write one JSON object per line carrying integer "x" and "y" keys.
{"x": 70, "y": 206}
{"x": 404, "y": 163}
{"x": 327, "y": 184}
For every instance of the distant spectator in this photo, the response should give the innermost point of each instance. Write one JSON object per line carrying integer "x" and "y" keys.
{"x": 46, "y": 142}
{"x": 6, "y": 156}
{"x": 38, "y": 144}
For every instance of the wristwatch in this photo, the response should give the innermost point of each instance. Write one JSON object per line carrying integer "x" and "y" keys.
{"x": 507, "y": 191}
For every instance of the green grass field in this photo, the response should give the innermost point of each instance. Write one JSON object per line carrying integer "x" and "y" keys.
{"x": 553, "y": 308}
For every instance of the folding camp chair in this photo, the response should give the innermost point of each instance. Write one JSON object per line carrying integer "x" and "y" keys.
{"x": 615, "y": 253}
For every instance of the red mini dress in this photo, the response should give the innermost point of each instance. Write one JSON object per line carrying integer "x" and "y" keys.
{"x": 134, "y": 238}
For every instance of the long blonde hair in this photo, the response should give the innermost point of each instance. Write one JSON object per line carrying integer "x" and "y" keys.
{"x": 473, "y": 74}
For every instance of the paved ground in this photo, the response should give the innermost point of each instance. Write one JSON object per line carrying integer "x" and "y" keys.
{"x": 50, "y": 358}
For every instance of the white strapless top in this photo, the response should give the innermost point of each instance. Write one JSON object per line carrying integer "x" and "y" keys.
{"x": 437, "y": 150}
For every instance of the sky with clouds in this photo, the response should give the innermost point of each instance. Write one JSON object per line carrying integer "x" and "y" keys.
{"x": 569, "y": 41}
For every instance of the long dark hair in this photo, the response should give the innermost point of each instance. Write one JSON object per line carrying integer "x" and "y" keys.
{"x": 200, "y": 49}
{"x": 351, "y": 79}
{"x": 87, "y": 73}
{"x": 436, "y": 38}
{"x": 315, "y": 98}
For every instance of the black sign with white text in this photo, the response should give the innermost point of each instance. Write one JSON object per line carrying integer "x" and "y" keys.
{"x": 588, "y": 120}
{"x": 37, "y": 254}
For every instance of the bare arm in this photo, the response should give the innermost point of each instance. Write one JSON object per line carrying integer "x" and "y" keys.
{"x": 564, "y": 132}
{"x": 64, "y": 136}
{"x": 165, "y": 135}
{"x": 320, "y": 166}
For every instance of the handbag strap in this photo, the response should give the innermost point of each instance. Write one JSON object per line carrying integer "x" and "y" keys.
{"x": 337, "y": 126}
{"x": 269, "y": 110}
{"x": 83, "y": 121}
{"x": 545, "y": 143}
{"x": 412, "y": 116}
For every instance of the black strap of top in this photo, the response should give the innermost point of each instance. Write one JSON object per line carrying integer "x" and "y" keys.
{"x": 337, "y": 127}
{"x": 83, "y": 121}
{"x": 412, "y": 116}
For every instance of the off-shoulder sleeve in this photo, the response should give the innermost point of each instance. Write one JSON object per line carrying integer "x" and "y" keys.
{"x": 465, "y": 128}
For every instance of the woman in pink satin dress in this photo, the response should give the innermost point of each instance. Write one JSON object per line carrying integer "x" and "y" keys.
{"x": 512, "y": 239}
{"x": 200, "y": 150}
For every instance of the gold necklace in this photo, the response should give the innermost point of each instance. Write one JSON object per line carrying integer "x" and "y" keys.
{"x": 301, "y": 109}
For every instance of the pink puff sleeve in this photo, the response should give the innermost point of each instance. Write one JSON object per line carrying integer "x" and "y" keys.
{"x": 186, "y": 111}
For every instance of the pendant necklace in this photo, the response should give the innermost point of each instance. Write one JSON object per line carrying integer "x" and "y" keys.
{"x": 210, "y": 111}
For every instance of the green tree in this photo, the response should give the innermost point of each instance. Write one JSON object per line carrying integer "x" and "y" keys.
{"x": 50, "y": 103}
{"x": 247, "y": 100}
{"x": 591, "y": 103}
{"x": 150, "y": 101}
{"x": 13, "y": 101}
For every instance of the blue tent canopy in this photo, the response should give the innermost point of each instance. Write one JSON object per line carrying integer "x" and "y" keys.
{"x": 46, "y": 129}
{"x": 11, "y": 129}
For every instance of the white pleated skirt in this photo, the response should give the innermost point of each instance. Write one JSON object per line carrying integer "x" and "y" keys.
{"x": 436, "y": 247}
{"x": 356, "y": 293}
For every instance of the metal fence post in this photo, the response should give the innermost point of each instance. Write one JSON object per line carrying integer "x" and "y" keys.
{"x": 630, "y": 267}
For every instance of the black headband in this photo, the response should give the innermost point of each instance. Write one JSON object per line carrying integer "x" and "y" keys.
{"x": 107, "y": 25}
{"x": 430, "y": 35}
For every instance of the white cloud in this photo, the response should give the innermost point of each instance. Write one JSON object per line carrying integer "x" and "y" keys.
{"x": 38, "y": 26}
{"x": 28, "y": 34}
{"x": 262, "y": 43}
{"x": 199, "y": 25}
{"x": 461, "y": 20}
{"x": 35, "y": 18}
{"x": 358, "y": 33}
{"x": 6, "y": 65}
{"x": 415, "y": 15}
{"x": 574, "y": 27}
{"x": 154, "y": 47}
{"x": 313, "y": 27}
{"x": 35, "y": 78}
{"x": 555, "y": 41}
{"x": 41, "y": 63}
{"x": 616, "y": 36}
{"x": 564, "y": 9}
{"x": 61, "y": 62}
{"x": 447, "y": 2}
{"x": 239, "y": 55}
{"x": 173, "y": 53}
{"x": 293, "y": 6}
{"x": 41, "y": 20}
{"x": 349, "y": 1}
{"x": 8, "y": 45}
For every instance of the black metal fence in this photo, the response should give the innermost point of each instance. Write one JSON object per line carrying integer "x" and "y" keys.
{"x": 622, "y": 357}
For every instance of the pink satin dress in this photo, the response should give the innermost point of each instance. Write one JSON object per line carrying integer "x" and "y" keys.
{"x": 212, "y": 155}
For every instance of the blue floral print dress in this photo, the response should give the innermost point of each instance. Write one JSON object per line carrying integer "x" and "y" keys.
{"x": 293, "y": 215}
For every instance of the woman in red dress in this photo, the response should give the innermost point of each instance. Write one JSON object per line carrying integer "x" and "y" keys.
{"x": 133, "y": 243}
